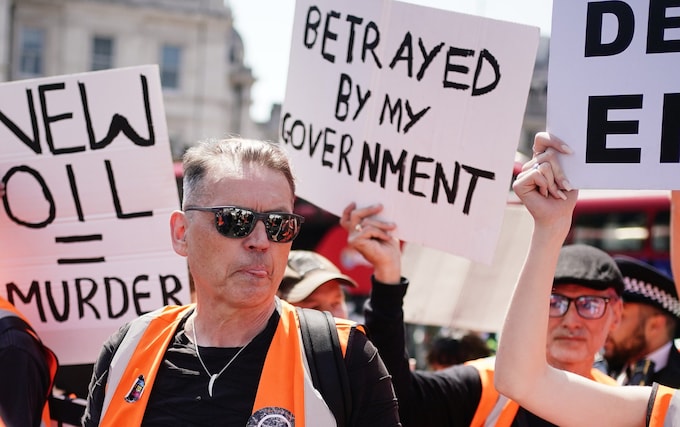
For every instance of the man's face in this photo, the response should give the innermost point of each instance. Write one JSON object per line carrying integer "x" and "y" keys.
{"x": 243, "y": 272}
{"x": 573, "y": 340}
{"x": 627, "y": 342}
{"x": 327, "y": 297}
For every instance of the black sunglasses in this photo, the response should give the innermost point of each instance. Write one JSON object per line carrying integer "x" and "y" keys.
{"x": 587, "y": 306}
{"x": 237, "y": 223}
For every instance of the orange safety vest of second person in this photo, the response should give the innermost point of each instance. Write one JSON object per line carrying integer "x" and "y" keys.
{"x": 496, "y": 410}
{"x": 134, "y": 366}
{"x": 665, "y": 410}
{"x": 7, "y": 309}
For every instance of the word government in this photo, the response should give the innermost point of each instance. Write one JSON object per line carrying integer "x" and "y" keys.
{"x": 378, "y": 164}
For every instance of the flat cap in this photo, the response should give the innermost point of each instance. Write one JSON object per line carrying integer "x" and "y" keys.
{"x": 588, "y": 266}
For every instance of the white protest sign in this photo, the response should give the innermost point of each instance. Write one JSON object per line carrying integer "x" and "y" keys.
{"x": 85, "y": 220}
{"x": 414, "y": 107}
{"x": 446, "y": 290}
{"x": 614, "y": 92}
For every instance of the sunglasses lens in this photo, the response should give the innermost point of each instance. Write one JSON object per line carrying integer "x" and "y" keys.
{"x": 239, "y": 223}
{"x": 282, "y": 228}
{"x": 235, "y": 222}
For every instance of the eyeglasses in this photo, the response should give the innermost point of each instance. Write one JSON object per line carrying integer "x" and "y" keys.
{"x": 587, "y": 306}
{"x": 237, "y": 223}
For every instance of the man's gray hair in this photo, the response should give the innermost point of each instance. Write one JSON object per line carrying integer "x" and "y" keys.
{"x": 211, "y": 153}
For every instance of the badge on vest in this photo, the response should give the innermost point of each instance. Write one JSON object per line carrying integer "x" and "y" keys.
{"x": 136, "y": 391}
{"x": 271, "y": 416}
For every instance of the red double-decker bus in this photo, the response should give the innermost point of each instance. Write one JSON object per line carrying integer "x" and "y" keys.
{"x": 627, "y": 222}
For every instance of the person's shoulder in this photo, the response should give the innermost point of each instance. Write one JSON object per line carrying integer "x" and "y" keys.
{"x": 20, "y": 341}
{"x": 456, "y": 378}
{"x": 673, "y": 359}
{"x": 674, "y": 345}
{"x": 483, "y": 364}
{"x": 484, "y": 368}
{"x": 168, "y": 314}
{"x": 347, "y": 324}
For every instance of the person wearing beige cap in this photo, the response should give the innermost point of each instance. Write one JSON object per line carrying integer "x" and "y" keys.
{"x": 313, "y": 281}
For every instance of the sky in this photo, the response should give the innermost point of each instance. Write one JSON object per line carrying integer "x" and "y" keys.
{"x": 266, "y": 26}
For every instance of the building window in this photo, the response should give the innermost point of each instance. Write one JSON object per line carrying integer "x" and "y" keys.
{"x": 170, "y": 66}
{"x": 32, "y": 51}
{"x": 102, "y": 53}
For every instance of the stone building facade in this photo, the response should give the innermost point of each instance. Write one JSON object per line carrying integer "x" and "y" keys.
{"x": 206, "y": 85}
{"x": 534, "y": 115}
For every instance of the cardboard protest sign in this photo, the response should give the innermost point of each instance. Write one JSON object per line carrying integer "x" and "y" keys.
{"x": 85, "y": 220}
{"x": 447, "y": 290}
{"x": 414, "y": 107}
{"x": 614, "y": 92}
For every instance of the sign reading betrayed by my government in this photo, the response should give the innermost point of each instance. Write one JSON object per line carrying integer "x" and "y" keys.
{"x": 90, "y": 187}
{"x": 614, "y": 92}
{"x": 417, "y": 108}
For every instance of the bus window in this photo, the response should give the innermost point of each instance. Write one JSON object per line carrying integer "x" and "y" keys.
{"x": 625, "y": 222}
{"x": 612, "y": 231}
{"x": 661, "y": 232}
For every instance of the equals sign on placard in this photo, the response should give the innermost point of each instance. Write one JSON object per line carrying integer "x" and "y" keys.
{"x": 79, "y": 239}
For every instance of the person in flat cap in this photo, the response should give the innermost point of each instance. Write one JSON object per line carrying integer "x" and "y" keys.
{"x": 584, "y": 306}
{"x": 313, "y": 281}
{"x": 642, "y": 350}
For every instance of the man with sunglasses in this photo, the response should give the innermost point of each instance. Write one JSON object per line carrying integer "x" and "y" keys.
{"x": 585, "y": 305}
{"x": 235, "y": 357}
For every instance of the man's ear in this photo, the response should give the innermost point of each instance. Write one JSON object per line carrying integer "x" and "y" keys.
{"x": 178, "y": 230}
{"x": 655, "y": 324}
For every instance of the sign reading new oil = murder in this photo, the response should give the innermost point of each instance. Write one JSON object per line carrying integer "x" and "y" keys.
{"x": 85, "y": 244}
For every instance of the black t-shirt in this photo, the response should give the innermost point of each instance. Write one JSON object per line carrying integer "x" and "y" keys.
{"x": 180, "y": 394}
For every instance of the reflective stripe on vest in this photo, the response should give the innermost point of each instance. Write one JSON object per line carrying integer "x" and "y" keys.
{"x": 493, "y": 409}
{"x": 140, "y": 353}
{"x": 285, "y": 368}
{"x": 497, "y": 410}
{"x": 666, "y": 408}
{"x": 7, "y": 309}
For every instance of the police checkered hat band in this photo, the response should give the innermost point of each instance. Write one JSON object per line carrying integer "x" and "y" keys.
{"x": 647, "y": 285}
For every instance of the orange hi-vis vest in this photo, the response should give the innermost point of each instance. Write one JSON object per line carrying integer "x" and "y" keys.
{"x": 134, "y": 366}
{"x": 665, "y": 408}
{"x": 7, "y": 309}
{"x": 496, "y": 410}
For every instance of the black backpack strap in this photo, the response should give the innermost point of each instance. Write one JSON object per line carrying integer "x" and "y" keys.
{"x": 15, "y": 322}
{"x": 325, "y": 360}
